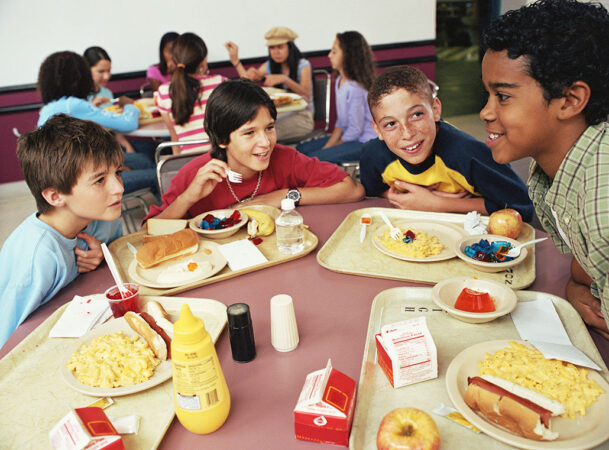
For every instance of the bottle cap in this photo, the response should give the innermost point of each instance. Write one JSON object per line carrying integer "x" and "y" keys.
{"x": 189, "y": 329}
{"x": 287, "y": 204}
{"x": 240, "y": 332}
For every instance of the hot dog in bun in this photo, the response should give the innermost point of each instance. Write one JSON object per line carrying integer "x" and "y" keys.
{"x": 157, "y": 336}
{"x": 514, "y": 407}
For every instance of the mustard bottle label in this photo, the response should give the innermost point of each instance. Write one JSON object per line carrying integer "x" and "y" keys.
{"x": 197, "y": 384}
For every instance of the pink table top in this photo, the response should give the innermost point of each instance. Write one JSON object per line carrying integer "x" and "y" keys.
{"x": 332, "y": 312}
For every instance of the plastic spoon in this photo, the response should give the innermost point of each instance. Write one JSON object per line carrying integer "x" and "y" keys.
{"x": 515, "y": 252}
{"x": 365, "y": 220}
{"x": 114, "y": 271}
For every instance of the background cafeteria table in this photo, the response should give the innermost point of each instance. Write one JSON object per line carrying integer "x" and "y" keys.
{"x": 332, "y": 312}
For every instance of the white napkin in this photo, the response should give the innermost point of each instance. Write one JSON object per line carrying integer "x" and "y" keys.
{"x": 242, "y": 254}
{"x": 538, "y": 322}
{"x": 81, "y": 315}
{"x": 473, "y": 223}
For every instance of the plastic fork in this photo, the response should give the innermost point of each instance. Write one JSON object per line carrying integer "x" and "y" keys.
{"x": 395, "y": 233}
{"x": 515, "y": 252}
{"x": 233, "y": 177}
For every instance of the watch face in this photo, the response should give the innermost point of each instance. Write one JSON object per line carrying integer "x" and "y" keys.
{"x": 293, "y": 194}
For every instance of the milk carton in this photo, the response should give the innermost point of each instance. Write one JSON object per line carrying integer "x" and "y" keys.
{"x": 85, "y": 428}
{"x": 406, "y": 352}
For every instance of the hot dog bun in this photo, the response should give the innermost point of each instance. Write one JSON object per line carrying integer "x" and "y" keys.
{"x": 152, "y": 338}
{"x": 514, "y": 407}
{"x": 156, "y": 310}
{"x": 166, "y": 247}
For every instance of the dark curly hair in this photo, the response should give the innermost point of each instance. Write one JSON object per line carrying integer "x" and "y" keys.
{"x": 563, "y": 41}
{"x": 358, "y": 61}
{"x": 229, "y": 106}
{"x": 64, "y": 74}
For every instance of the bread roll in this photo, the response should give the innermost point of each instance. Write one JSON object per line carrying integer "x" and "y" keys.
{"x": 163, "y": 248}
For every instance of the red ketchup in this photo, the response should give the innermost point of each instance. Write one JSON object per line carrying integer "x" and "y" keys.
{"x": 474, "y": 301}
{"x": 120, "y": 305}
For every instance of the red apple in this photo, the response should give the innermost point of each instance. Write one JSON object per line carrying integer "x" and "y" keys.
{"x": 505, "y": 222}
{"x": 408, "y": 429}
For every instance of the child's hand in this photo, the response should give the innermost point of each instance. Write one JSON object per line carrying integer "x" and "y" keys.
{"x": 274, "y": 78}
{"x": 205, "y": 181}
{"x": 253, "y": 74}
{"x": 88, "y": 260}
{"x": 413, "y": 197}
{"x": 233, "y": 52}
{"x": 434, "y": 190}
{"x": 97, "y": 101}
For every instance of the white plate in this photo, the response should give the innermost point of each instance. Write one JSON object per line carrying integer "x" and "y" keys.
{"x": 212, "y": 312}
{"x": 448, "y": 235}
{"x": 293, "y": 96}
{"x": 149, "y": 277}
{"x": 582, "y": 432}
{"x": 221, "y": 233}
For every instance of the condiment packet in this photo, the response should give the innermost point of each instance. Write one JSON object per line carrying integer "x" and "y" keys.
{"x": 242, "y": 254}
{"x": 538, "y": 322}
{"x": 126, "y": 424}
{"x": 102, "y": 403}
{"x": 79, "y": 317}
{"x": 454, "y": 415}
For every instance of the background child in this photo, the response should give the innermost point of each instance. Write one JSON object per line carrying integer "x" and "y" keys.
{"x": 547, "y": 72}
{"x": 71, "y": 167}
{"x": 352, "y": 58}
{"x": 286, "y": 69}
{"x": 420, "y": 162}
{"x": 240, "y": 121}
{"x": 160, "y": 73}
{"x": 182, "y": 102}
{"x": 64, "y": 82}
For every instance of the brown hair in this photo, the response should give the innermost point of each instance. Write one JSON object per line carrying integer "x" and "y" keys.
{"x": 54, "y": 155}
{"x": 398, "y": 77}
{"x": 188, "y": 52}
{"x": 358, "y": 61}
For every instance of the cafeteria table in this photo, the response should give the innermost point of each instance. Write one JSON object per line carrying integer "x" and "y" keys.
{"x": 332, "y": 312}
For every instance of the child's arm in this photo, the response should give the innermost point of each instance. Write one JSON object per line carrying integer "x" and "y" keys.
{"x": 303, "y": 88}
{"x": 587, "y": 305}
{"x": 424, "y": 199}
{"x": 173, "y": 136}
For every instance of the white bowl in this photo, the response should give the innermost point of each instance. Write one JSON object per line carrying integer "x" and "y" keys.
{"x": 221, "y": 214}
{"x": 489, "y": 266}
{"x": 445, "y": 293}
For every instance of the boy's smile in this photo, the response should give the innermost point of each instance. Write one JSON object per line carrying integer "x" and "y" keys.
{"x": 407, "y": 123}
{"x": 251, "y": 145}
{"x": 519, "y": 120}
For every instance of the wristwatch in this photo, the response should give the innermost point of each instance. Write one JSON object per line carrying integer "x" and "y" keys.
{"x": 294, "y": 194}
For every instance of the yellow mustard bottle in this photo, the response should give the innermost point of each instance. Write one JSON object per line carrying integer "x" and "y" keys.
{"x": 200, "y": 393}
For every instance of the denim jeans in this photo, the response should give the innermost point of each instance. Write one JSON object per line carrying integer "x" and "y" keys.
{"x": 347, "y": 151}
{"x": 142, "y": 174}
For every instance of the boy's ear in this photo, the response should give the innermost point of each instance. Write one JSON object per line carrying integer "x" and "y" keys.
{"x": 436, "y": 107}
{"x": 575, "y": 100}
{"x": 53, "y": 197}
{"x": 376, "y": 129}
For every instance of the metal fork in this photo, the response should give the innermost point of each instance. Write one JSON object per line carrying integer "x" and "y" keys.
{"x": 233, "y": 177}
{"x": 395, "y": 233}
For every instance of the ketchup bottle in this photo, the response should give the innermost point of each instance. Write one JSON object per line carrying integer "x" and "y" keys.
{"x": 200, "y": 393}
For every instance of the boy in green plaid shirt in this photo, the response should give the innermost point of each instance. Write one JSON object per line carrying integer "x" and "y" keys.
{"x": 546, "y": 69}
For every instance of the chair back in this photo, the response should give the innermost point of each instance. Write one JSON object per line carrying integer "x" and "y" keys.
{"x": 158, "y": 153}
{"x": 321, "y": 98}
{"x": 168, "y": 167}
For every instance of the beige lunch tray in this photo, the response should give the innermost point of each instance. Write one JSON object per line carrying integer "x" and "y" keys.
{"x": 376, "y": 397}
{"x": 123, "y": 256}
{"x": 35, "y": 396}
{"x": 343, "y": 252}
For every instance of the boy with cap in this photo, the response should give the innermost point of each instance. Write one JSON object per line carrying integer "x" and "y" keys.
{"x": 546, "y": 71}
{"x": 420, "y": 162}
{"x": 286, "y": 69}
{"x": 71, "y": 167}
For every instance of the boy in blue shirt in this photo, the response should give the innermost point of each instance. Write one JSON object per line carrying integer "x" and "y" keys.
{"x": 547, "y": 74}
{"x": 71, "y": 167}
{"x": 419, "y": 162}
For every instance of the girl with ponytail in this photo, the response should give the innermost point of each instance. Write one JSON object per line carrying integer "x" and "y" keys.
{"x": 182, "y": 102}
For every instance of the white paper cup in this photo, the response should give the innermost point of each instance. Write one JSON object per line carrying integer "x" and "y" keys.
{"x": 284, "y": 330}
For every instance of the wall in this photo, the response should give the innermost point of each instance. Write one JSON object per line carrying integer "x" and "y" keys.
{"x": 400, "y": 31}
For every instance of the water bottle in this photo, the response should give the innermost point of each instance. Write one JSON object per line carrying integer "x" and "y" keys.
{"x": 290, "y": 233}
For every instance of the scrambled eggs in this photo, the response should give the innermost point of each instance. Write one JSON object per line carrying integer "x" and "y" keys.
{"x": 557, "y": 380}
{"x": 422, "y": 246}
{"x": 113, "y": 360}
